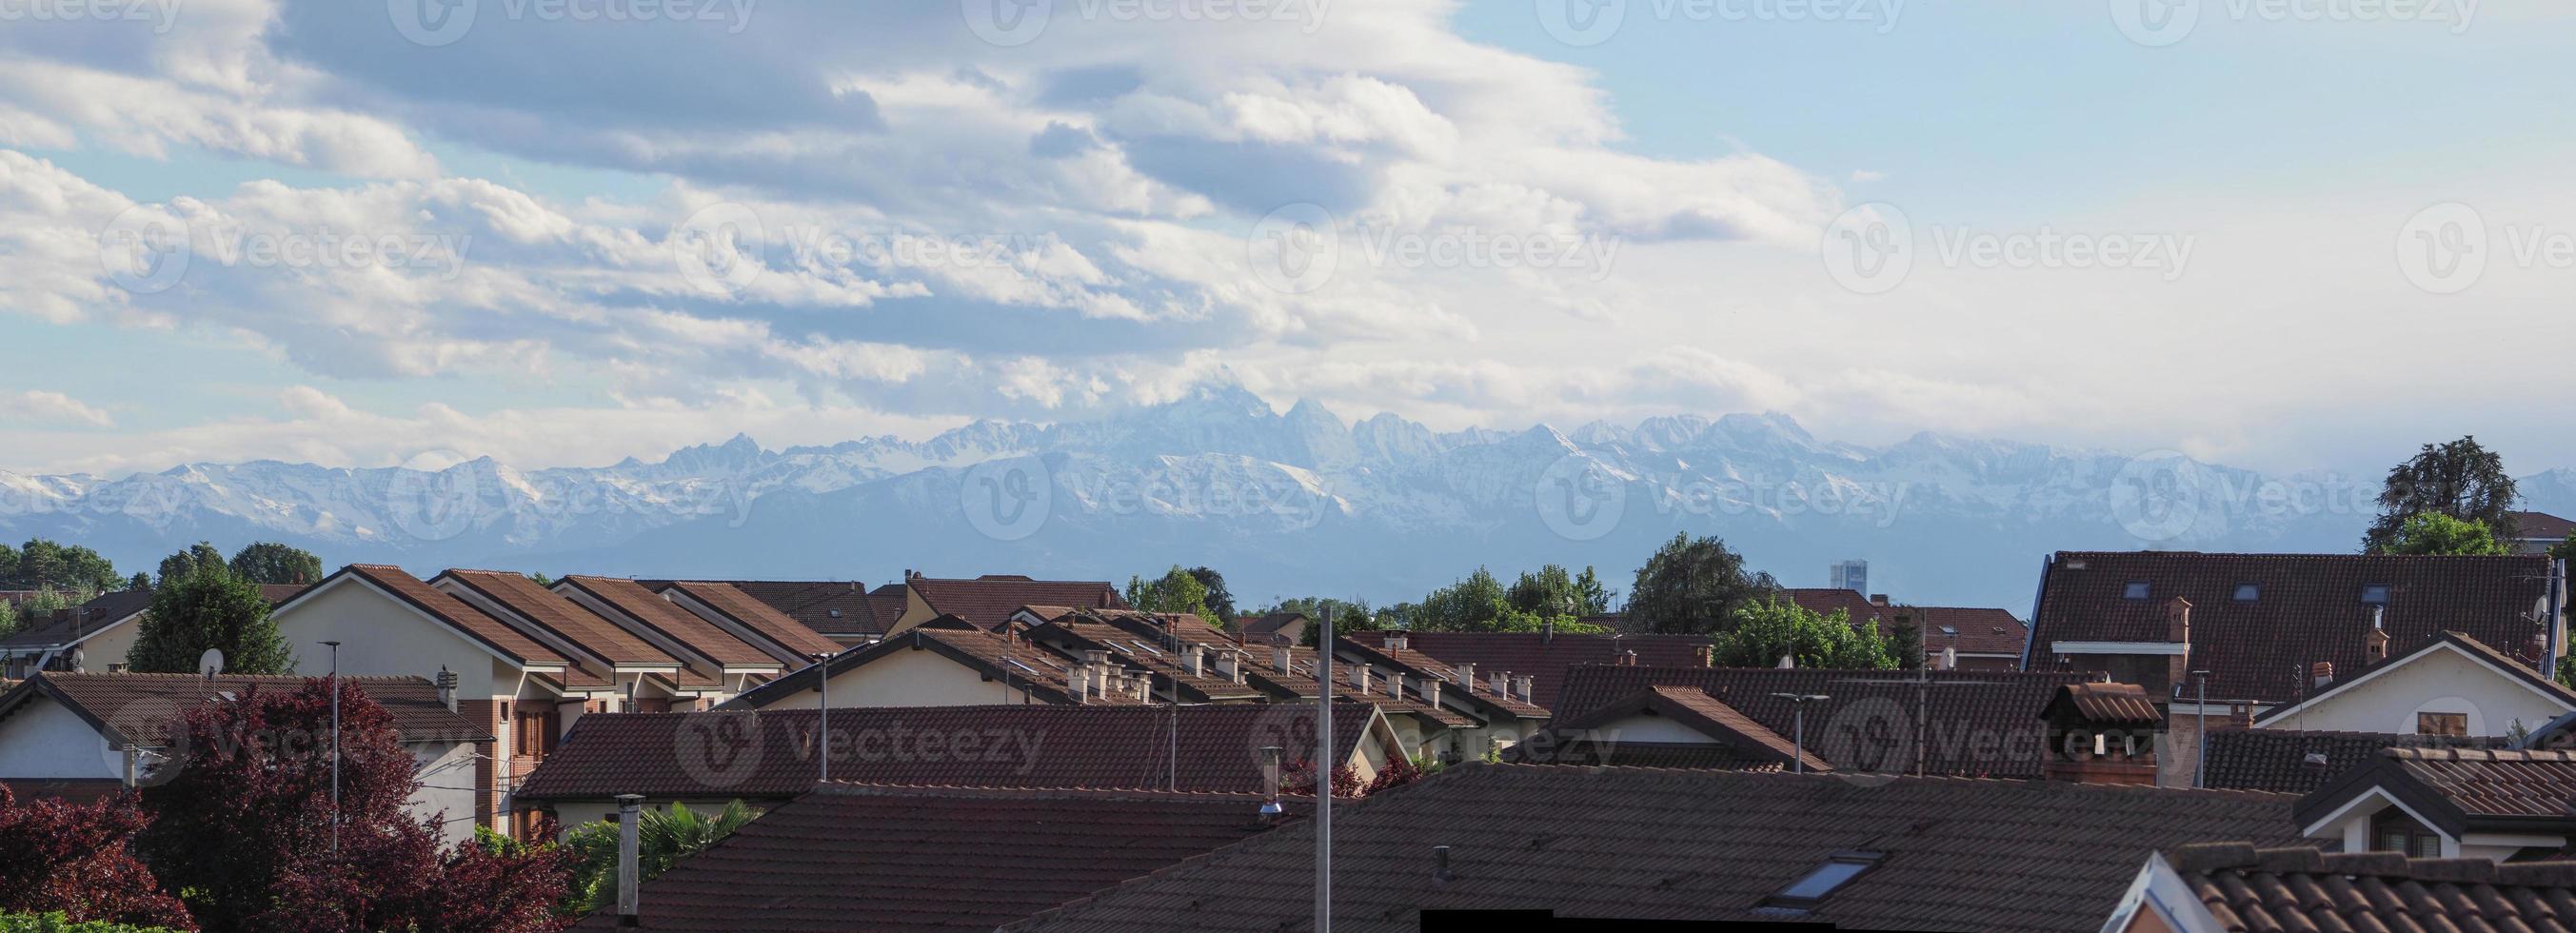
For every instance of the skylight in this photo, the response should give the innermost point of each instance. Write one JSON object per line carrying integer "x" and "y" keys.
{"x": 2137, "y": 589}
{"x": 2248, "y": 592}
{"x": 2375, "y": 594}
{"x": 1949, "y": 630}
{"x": 1813, "y": 887}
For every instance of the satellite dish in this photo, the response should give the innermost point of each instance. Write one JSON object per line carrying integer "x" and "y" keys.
{"x": 211, "y": 662}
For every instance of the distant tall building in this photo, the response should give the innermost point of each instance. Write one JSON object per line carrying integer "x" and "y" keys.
{"x": 1850, "y": 575}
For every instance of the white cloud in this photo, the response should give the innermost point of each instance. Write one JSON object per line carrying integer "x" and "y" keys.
{"x": 41, "y": 406}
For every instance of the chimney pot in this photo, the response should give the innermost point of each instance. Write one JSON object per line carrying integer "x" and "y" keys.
{"x": 2323, "y": 671}
{"x": 1279, "y": 657}
{"x": 629, "y": 900}
{"x": 1501, "y": 682}
{"x": 1360, "y": 678}
{"x": 447, "y": 688}
{"x": 1878, "y": 599}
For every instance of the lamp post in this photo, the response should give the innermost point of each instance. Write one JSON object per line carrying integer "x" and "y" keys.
{"x": 823, "y": 740}
{"x": 1324, "y": 776}
{"x": 2200, "y": 755}
{"x": 335, "y": 747}
{"x": 1798, "y": 702}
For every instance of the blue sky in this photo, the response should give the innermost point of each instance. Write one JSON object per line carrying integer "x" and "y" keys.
{"x": 938, "y": 222}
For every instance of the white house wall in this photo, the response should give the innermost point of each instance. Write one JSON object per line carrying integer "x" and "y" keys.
{"x": 380, "y": 635}
{"x": 2442, "y": 681}
{"x": 45, "y": 739}
{"x": 907, "y": 677}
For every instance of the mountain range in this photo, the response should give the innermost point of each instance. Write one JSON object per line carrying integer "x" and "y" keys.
{"x": 1285, "y": 504}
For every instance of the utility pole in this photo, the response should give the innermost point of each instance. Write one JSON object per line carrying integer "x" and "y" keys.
{"x": 1798, "y": 703}
{"x": 1324, "y": 776}
{"x": 335, "y": 748}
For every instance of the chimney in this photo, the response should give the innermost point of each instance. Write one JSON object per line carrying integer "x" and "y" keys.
{"x": 1526, "y": 687}
{"x": 1395, "y": 641}
{"x": 1395, "y": 685}
{"x": 1878, "y": 599}
{"x": 629, "y": 811}
{"x": 1547, "y": 630}
{"x": 2322, "y": 672}
{"x": 1279, "y": 658}
{"x": 1706, "y": 655}
{"x": 447, "y": 688}
{"x": 1787, "y": 662}
{"x": 2177, "y": 631}
{"x": 1360, "y": 678}
{"x": 1431, "y": 691}
{"x": 1467, "y": 676}
{"x": 1194, "y": 658}
{"x": 2374, "y": 643}
{"x": 1501, "y": 682}
{"x": 1627, "y": 659}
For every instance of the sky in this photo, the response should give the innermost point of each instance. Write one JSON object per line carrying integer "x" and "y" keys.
{"x": 2279, "y": 234}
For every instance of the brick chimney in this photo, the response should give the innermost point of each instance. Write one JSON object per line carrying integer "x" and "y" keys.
{"x": 2178, "y": 631}
{"x": 2374, "y": 643}
{"x": 2101, "y": 733}
{"x": 1705, "y": 654}
{"x": 1626, "y": 659}
{"x": 2321, "y": 673}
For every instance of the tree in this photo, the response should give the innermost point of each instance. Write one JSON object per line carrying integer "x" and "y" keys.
{"x": 271, "y": 562}
{"x": 209, "y": 608}
{"x": 139, "y": 581}
{"x": 1694, "y": 586}
{"x": 1549, "y": 590}
{"x": 243, "y": 831}
{"x": 43, "y": 564}
{"x": 1219, "y": 602}
{"x": 1905, "y": 640}
{"x": 662, "y": 839}
{"x": 1175, "y": 591}
{"x": 8, "y": 618}
{"x": 1765, "y": 631}
{"x": 1298, "y": 779}
{"x": 2460, "y": 479}
{"x": 198, "y": 557}
{"x": 78, "y": 860}
{"x": 1349, "y": 615}
{"x": 2436, "y": 533}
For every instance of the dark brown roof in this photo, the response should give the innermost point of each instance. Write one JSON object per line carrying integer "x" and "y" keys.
{"x": 2477, "y": 651}
{"x": 1546, "y": 659}
{"x": 2300, "y": 888}
{"x": 1271, "y": 623}
{"x": 988, "y": 600}
{"x": 2458, "y": 790}
{"x": 1380, "y": 652}
{"x": 1958, "y": 854}
{"x": 562, "y": 618}
{"x": 2542, "y": 526}
{"x": 2279, "y": 760}
{"x": 845, "y": 608}
{"x": 137, "y": 707}
{"x": 2308, "y": 608}
{"x": 1981, "y": 723}
{"x": 2109, "y": 704}
{"x": 1010, "y": 663}
{"x": 770, "y": 753}
{"x": 1971, "y": 630}
{"x": 670, "y": 621}
{"x": 70, "y": 625}
{"x": 851, "y": 857}
{"x": 730, "y": 601}
{"x": 464, "y": 618}
{"x": 1701, "y": 713}
{"x": 1825, "y": 601}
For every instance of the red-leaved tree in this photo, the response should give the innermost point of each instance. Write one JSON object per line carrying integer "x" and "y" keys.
{"x": 243, "y": 828}
{"x": 55, "y": 856}
{"x": 1299, "y": 779}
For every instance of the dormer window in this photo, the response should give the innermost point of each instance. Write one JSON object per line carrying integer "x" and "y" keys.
{"x": 2248, "y": 592}
{"x": 2375, "y": 594}
{"x": 1815, "y": 886}
{"x": 2137, "y": 589}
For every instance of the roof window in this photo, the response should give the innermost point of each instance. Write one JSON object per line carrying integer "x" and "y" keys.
{"x": 2374, "y": 594}
{"x": 1815, "y": 886}
{"x": 2248, "y": 592}
{"x": 2137, "y": 589}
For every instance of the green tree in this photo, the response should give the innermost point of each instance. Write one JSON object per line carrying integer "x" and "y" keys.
{"x": 139, "y": 581}
{"x": 1905, "y": 640}
{"x": 2436, "y": 533}
{"x": 1765, "y": 631}
{"x": 1481, "y": 603}
{"x": 8, "y": 618}
{"x": 209, "y": 608}
{"x": 662, "y": 839}
{"x": 1175, "y": 591}
{"x": 1694, "y": 586}
{"x": 43, "y": 564}
{"x": 1550, "y": 589}
{"x": 199, "y": 556}
{"x": 271, "y": 562}
{"x": 1220, "y": 601}
{"x": 2460, "y": 479}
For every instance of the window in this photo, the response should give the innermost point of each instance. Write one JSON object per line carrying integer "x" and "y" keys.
{"x": 1949, "y": 630}
{"x": 2248, "y": 592}
{"x": 1813, "y": 887}
{"x": 2391, "y": 830}
{"x": 2442, "y": 724}
{"x": 2137, "y": 590}
{"x": 2375, "y": 594}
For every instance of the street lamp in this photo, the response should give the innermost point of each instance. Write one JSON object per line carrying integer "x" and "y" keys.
{"x": 335, "y": 747}
{"x": 1798, "y": 702}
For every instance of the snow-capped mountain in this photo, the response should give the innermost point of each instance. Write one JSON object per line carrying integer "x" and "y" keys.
{"x": 1285, "y": 504}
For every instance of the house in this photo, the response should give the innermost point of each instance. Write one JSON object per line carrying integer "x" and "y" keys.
{"x": 1666, "y": 727}
{"x": 2537, "y": 532}
{"x": 2297, "y": 761}
{"x": 847, "y": 856}
{"x": 93, "y": 636}
{"x": 948, "y": 662}
{"x": 2498, "y": 804}
{"x": 1545, "y": 656}
{"x": 846, "y": 611}
{"x": 2216, "y": 887}
{"x": 755, "y": 622}
{"x": 1866, "y": 722}
{"x": 2453, "y": 685}
{"x": 769, "y": 757}
{"x": 1281, "y": 627}
{"x": 67, "y": 735}
{"x": 1954, "y": 637}
{"x": 988, "y": 601}
{"x": 1702, "y": 846}
{"x": 708, "y": 653}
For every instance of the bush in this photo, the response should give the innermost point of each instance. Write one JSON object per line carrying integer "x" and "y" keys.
{"x": 56, "y": 922}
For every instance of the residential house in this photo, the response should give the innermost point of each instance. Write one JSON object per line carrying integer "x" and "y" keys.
{"x": 988, "y": 601}
{"x": 1954, "y": 637}
{"x": 2299, "y": 761}
{"x": 845, "y": 611}
{"x": 848, "y": 856}
{"x": 771, "y": 756}
{"x": 1666, "y": 727}
{"x": 93, "y": 636}
{"x": 708, "y": 654}
{"x": 948, "y": 662}
{"x": 2218, "y": 887}
{"x": 84, "y": 736}
{"x": 1267, "y": 628}
{"x": 755, "y": 622}
{"x": 2453, "y": 685}
{"x": 1545, "y": 656}
{"x": 2537, "y": 532}
{"x": 1702, "y": 846}
{"x": 2498, "y": 804}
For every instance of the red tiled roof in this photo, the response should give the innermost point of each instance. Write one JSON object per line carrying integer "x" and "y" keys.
{"x": 562, "y": 617}
{"x": 2110, "y": 704}
{"x": 2542, "y": 526}
{"x": 2459, "y": 790}
{"x": 474, "y": 623}
{"x": 1376, "y": 651}
{"x": 1825, "y": 601}
{"x": 137, "y": 707}
{"x": 755, "y": 615}
{"x": 1980, "y": 723}
{"x": 1546, "y": 659}
{"x": 848, "y": 857}
{"x": 1591, "y": 843}
{"x": 988, "y": 600}
{"x": 69, "y": 625}
{"x": 1011, "y": 663}
{"x": 770, "y": 753}
{"x": 673, "y": 622}
{"x": 2301, "y": 888}
{"x": 2308, "y": 608}
{"x": 1972, "y": 631}
{"x": 845, "y": 608}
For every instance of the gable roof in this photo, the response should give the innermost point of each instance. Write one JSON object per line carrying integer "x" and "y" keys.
{"x": 1270, "y": 623}
{"x": 1974, "y": 631}
{"x": 670, "y": 621}
{"x": 771, "y": 753}
{"x": 1007, "y": 661}
{"x": 1695, "y": 845}
{"x": 2458, "y": 790}
{"x": 561, "y": 618}
{"x": 2300, "y": 888}
{"x": 2541, "y": 526}
{"x": 930, "y": 859}
{"x": 2106, "y": 704}
{"x": 1546, "y": 658}
{"x": 79, "y": 622}
{"x": 1747, "y": 740}
{"x": 844, "y": 608}
{"x": 2478, "y": 653}
{"x": 1384, "y": 653}
{"x": 1826, "y": 600}
{"x": 731, "y": 602}
{"x": 988, "y": 600}
{"x": 1964, "y": 708}
{"x": 2308, "y": 608}
{"x": 135, "y": 708}
{"x": 2279, "y": 760}
{"x": 456, "y": 614}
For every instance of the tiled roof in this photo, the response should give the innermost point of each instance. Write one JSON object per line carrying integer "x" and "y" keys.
{"x": 1701, "y": 713}
{"x": 987, "y": 600}
{"x": 1377, "y": 650}
{"x": 2110, "y": 704}
{"x": 2542, "y": 526}
{"x": 474, "y": 623}
{"x": 1009, "y": 662}
{"x": 1554, "y": 750}
{"x": 1136, "y": 652}
{"x": 136, "y": 707}
{"x": 2278, "y": 759}
{"x": 562, "y": 617}
{"x": 1260, "y": 668}
{"x": 280, "y": 592}
{"x": 1545, "y": 659}
{"x": 755, "y": 615}
{"x": 1979, "y": 723}
{"x": 672, "y": 622}
{"x": 1660, "y": 844}
{"x": 2460, "y": 790}
{"x": 2475, "y": 650}
{"x": 770, "y": 753}
{"x": 1825, "y": 601}
{"x": 852, "y": 857}
{"x": 2246, "y": 888}
{"x": 846, "y": 608}
{"x": 1971, "y": 630}
{"x": 1269, "y": 624}
{"x": 2308, "y": 608}
{"x": 70, "y": 625}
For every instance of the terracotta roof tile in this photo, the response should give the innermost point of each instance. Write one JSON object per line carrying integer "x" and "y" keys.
{"x": 2280, "y": 759}
{"x": 1545, "y": 659}
{"x": 139, "y": 706}
{"x": 2301, "y": 888}
{"x": 730, "y": 601}
{"x": 474, "y": 623}
{"x": 673, "y": 622}
{"x": 1971, "y": 630}
{"x": 1748, "y": 741}
{"x": 988, "y": 600}
{"x": 844, "y": 608}
{"x": 562, "y": 618}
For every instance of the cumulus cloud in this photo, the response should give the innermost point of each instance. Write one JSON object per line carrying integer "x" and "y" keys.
{"x": 40, "y": 406}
